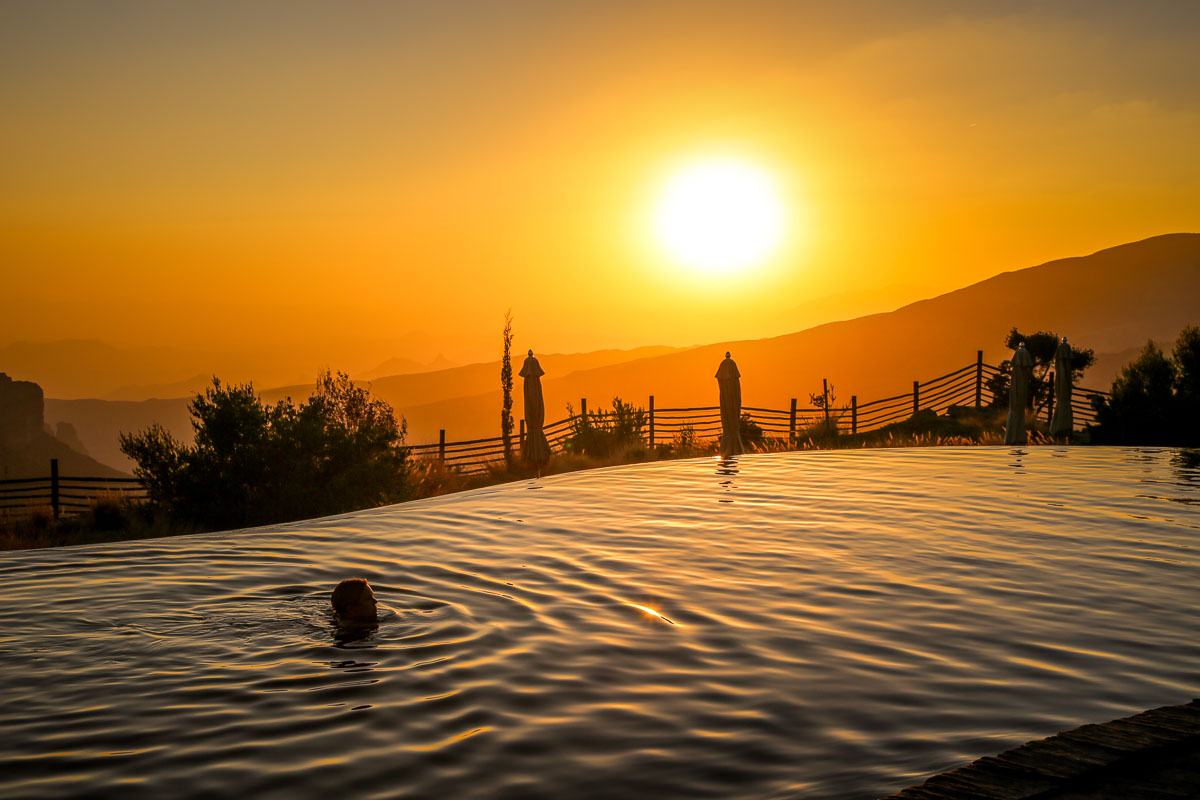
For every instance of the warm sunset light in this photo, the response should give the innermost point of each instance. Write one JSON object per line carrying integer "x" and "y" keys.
{"x": 719, "y": 216}
{"x": 650, "y": 612}
{"x": 361, "y": 364}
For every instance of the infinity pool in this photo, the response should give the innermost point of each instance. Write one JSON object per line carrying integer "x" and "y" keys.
{"x": 816, "y": 625}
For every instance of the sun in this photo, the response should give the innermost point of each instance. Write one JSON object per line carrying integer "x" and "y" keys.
{"x": 719, "y": 216}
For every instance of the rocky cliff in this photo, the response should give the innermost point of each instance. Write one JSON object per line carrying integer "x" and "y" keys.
{"x": 21, "y": 408}
{"x": 26, "y": 446}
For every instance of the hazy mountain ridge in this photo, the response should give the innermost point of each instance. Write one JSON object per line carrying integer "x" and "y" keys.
{"x": 857, "y": 303}
{"x": 406, "y": 366}
{"x": 1113, "y": 301}
{"x": 85, "y": 361}
{"x": 160, "y": 391}
{"x": 101, "y": 421}
{"x": 89, "y": 368}
{"x": 431, "y": 387}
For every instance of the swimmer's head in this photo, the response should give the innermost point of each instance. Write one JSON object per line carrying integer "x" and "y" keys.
{"x": 354, "y": 601}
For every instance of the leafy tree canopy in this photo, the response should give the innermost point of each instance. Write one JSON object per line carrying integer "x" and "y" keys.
{"x": 1041, "y": 346}
{"x": 602, "y": 432}
{"x": 1155, "y": 400}
{"x": 255, "y": 463}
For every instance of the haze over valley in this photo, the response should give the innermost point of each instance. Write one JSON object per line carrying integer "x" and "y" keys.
{"x": 1112, "y": 301}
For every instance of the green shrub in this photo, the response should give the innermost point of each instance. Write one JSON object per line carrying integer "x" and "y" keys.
{"x": 1154, "y": 399}
{"x": 683, "y": 444}
{"x": 1042, "y": 347}
{"x": 820, "y": 431}
{"x": 109, "y": 513}
{"x": 254, "y": 463}
{"x": 1187, "y": 385}
{"x": 601, "y": 432}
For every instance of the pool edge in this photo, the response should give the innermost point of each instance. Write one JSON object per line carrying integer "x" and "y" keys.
{"x": 1142, "y": 749}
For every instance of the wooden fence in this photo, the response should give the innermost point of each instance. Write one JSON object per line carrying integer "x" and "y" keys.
{"x": 967, "y": 386}
{"x": 19, "y": 497}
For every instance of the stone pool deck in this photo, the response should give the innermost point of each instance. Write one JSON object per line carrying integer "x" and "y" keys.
{"x": 1154, "y": 755}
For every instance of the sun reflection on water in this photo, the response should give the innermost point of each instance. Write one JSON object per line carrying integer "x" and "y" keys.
{"x": 649, "y": 611}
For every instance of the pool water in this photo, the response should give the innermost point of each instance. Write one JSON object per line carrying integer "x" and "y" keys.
{"x": 833, "y": 624}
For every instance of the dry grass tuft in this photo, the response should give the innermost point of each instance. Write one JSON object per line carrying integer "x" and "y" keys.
{"x": 109, "y": 518}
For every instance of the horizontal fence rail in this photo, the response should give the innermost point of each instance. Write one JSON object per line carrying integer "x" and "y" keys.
{"x": 967, "y": 387}
{"x": 63, "y": 494}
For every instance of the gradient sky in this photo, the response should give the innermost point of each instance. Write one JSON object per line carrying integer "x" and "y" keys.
{"x": 388, "y": 178}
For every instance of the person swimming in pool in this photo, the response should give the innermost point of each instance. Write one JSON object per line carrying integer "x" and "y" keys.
{"x": 354, "y": 602}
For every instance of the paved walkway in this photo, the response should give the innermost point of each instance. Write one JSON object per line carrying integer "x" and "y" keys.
{"x": 1154, "y": 755}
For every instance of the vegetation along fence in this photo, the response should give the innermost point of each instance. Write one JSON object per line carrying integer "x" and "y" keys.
{"x": 61, "y": 494}
{"x": 968, "y": 386}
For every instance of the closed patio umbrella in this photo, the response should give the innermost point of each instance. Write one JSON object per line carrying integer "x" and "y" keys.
{"x": 729, "y": 379}
{"x": 1063, "y": 421}
{"x": 1018, "y": 397}
{"x": 536, "y": 450}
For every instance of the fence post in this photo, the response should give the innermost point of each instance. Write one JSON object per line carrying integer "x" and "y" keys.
{"x": 978, "y": 379}
{"x": 583, "y": 410}
{"x": 442, "y": 445}
{"x": 54, "y": 486}
{"x": 1050, "y": 401}
{"x": 916, "y": 397}
{"x": 651, "y": 422}
{"x": 522, "y": 436}
{"x": 825, "y": 401}
{"x": 853, "y": 413}
{"x": 792, "y": 424}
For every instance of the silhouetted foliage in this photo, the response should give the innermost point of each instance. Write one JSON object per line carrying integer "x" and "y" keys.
{"x": 254, "y": 463}
{"x": 1155, "y": 399}
{"x": 961, "y": 426}
{"x": 506, "y": 387}
{"x": 1187, "y": 384}
{"x": 825, "y": 399}
{"x": 820, "y": 431}
{"x": 684, "y": 442}
{"x": 601, "y": 432}
{"x": 827, "y": 426}
{"x": 108, "y": 519}
{"x": 1041, "y": 346}
{"x": 109, "y": 513}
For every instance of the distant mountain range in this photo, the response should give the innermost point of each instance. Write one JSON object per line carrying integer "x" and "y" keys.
{"x": 86, "y": 368}
{"x": 407, "y": 366}
{"x": 1113, "y": 301}
{"x": 100, "y": 422}
{"x": 72, "y": 368}
{"x": 152, "y": 391}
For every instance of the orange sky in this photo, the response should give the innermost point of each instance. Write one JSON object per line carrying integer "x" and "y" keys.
{"x": 385, "y": 179}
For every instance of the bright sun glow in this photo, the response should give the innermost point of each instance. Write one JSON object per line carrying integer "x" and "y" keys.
{"x": 719, "y": 216}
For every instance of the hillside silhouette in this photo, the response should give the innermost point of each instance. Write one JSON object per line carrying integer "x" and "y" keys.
{"x": 1112, "y": 301}
{"x": 156, "y": 391}
{"x": 432, "y": 387}
{"x": 86, "y": 368}
{"x": 101, "y": 421}
{"x": 407, "y": 366}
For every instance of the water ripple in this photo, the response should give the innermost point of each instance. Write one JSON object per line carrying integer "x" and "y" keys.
{"x": 818, "y": 625}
